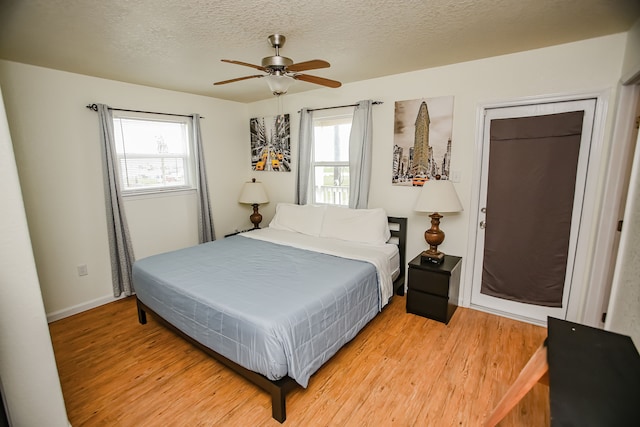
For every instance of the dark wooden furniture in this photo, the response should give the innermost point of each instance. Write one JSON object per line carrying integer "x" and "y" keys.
{"x": 594, "y": 377}
{"x": 398, "y": 228}
{"x": 235, "y": 233}
{"x": 433, "y": 289}
{"x": 278, "y": 389}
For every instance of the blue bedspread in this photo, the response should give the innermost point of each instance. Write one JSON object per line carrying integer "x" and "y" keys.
{"x": 274, "y": 309}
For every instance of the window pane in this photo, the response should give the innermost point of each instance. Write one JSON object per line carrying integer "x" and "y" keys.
{"x": 147, "y": 136}
{"x": 153, "y": 172}
{"x": 330, "y": 162}
{"x": 331, "y": 141}
{"x": 153, "y": 154}
{"x": 331, "y": 185}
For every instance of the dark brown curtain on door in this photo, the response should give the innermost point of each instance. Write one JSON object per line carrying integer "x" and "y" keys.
{"x": 533, "y": 163}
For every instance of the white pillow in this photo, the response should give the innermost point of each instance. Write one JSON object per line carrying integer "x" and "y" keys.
{"x": 305, "y": 219}
{"x": 356, "y": 225}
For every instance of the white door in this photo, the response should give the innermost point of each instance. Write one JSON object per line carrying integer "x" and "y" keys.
{"x": 509, "y": 265}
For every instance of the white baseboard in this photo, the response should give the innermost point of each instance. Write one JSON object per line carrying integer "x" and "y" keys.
{"x": 61, "y": 314}
{"x": 509, "y": 315}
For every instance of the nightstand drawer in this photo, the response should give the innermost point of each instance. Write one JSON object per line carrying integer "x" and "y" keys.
{"x": 426, "y": 281}
{"x": 431, "y": 306}
{"x": 433, "y": 289}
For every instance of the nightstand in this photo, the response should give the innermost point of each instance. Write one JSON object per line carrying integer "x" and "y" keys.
{"x": 433, "y": 289}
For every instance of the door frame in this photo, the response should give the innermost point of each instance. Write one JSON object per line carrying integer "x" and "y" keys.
{"x": 611, "y": 210}
{"x": 585, "y": 245}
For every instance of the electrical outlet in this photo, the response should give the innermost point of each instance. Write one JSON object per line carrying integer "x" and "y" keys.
{"x": 455, "y": 176}
{"x": 82, "y": 270}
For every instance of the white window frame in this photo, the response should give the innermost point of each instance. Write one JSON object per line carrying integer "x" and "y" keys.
{"x": 190, "y": 162}
{"x": 339, "y": 116}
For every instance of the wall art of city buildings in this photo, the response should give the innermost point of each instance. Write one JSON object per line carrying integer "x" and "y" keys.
{"x": 422, "y": 140}
{"x": 270, "y": 143}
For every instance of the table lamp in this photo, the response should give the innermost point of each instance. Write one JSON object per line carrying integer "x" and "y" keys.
{"x": 436, "y": 196}
{"x": 253, "y": 193}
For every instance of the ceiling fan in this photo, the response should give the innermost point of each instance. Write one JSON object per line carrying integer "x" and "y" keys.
{"x": 282, "y": 71}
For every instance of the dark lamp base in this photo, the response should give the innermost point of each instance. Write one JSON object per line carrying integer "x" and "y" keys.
{"x": 255, "y": 217}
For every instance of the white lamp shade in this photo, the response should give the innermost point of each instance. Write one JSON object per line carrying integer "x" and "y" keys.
{"x": 438, "y": 196}
{"x": 253, "y": 192}
{"x": 279, "y": 84}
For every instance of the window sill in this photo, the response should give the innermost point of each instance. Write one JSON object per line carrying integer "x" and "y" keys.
{"x": 158, "y": 193}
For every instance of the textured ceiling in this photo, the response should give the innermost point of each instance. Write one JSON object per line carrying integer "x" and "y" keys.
{"x": 178, "y": 44}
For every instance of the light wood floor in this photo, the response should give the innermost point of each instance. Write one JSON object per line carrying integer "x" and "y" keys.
{"x": 401, "y": 370}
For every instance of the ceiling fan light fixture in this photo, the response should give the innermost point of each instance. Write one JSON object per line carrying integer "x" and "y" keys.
{"x": 279, "y": 83}
{"x": 281, "y": 71}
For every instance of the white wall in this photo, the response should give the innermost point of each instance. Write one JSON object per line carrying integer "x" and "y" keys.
{"x": 631, "y": 64}
{"x": 162, "y": 222}
{"x": 623, "y": 314}
{"x": 587, "y": 66}
{"x": 56, "y": 144}
{"x": 28, "y": 375}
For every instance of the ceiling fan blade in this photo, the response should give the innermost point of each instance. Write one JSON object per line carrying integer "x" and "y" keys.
{"x": 238, "y": 79}
{"x": 317, "y": 80}
{"x": 314, "y": 64}
{"x": 246, "y": 64}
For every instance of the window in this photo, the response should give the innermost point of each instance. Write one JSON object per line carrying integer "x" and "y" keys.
{"x": 155, "y": 153}
{"x": 330, "y": 159}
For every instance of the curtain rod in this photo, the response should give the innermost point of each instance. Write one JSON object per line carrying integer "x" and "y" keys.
{"x": 341, "y": 106}
{"x": 94, "y": 107}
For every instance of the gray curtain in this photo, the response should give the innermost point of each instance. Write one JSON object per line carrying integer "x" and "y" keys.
{"x": 360, "y": 143}
{"x": 120, "y": 248}
{"x": 206, "y": 232}
{"x": 305, "y": 143}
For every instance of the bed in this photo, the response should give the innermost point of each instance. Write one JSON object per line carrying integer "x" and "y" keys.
{"x": 275, "y": 304}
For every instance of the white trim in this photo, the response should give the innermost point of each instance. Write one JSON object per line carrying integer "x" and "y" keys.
{"x": 609, "y": 212}
{"x": 474, "y": 208}
{"x": 627, "y": 250}
{"x": 61, "y": 314}
{"x": 169, "y": 192}
{"x": 633, "y": 77}
{"x": 508, "y": 315}
{"x": 584, "y": 252}
{"x": 587, "y": 243}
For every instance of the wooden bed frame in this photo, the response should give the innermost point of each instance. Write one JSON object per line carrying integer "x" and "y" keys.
{"x": 401, "y": 235}
{"x": 278, "y": 389}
